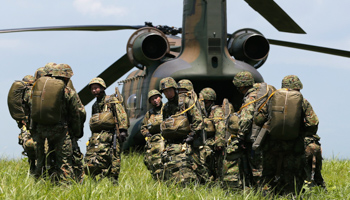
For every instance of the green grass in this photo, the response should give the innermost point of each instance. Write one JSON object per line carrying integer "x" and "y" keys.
{"x": 135, "y": 182}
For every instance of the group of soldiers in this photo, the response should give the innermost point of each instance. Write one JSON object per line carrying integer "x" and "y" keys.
{"x": 53, "y": 121}
{"x": 190, "y": 139}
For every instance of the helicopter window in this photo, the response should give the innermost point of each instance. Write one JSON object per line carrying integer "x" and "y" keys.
{"x": 214, "y": 62}
{"x": 131, "y": 102}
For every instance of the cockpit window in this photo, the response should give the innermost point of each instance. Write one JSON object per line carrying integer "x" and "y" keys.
{"x": 131, "y": 102}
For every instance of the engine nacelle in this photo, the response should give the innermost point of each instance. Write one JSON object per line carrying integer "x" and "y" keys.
{"x": 147, "y": 45}
{"x": 250, "y": 46}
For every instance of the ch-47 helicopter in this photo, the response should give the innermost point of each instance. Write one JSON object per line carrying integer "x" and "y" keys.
{"x": 205, "y": 54}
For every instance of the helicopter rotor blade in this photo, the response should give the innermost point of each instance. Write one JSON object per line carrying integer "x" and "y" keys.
{"x": 308, "y": 47}
{"x": 74, "y": 28}
{"x": 275, "y": 15}
{"x": 110, "y": 75}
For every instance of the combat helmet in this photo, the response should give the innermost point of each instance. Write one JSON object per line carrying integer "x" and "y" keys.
{"x": 152, "y": 93}
{"x": 29, "y": 79}
{"x": 292, "y": 82}
{"x": 40, "y": 72}
{"x": 185, "y": 84}
{"x": 99, "y": 81}
{"x": 49, "y": 67}
{"x": 242, "y": 79}
{"x": 167, "y": 82}
{"x": 208, "y": 94}
{"x": 62, "y": 70}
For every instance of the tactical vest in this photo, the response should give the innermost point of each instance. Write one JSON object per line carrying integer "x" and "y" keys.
{"x": 263, "y": 92}
{"x": 15, "y": 100}
{"x": 177, "y": 126}
{"x": 47, "y": 100}
{"x": 154, "y": 121}
{"x": 285, "y": 114}
{"x": 104, "y": 120}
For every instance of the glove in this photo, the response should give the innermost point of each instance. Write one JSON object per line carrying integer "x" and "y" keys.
{"x": 148, "y": 136}
{"x": 189, "y": 139}
{"x": 123, "y": 136}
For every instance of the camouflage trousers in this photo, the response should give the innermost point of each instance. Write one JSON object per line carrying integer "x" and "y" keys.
{"x": 101, "y": 159}
{"x": 178, "y": 163}
{"x": 153, "y": 156}
{"x": 255, "y": 166}
{"x": 60, "y": 151}
{"x": 283, "y": 166}
{"x": 29, "y": 146}
{"x": 232, "y": 175}
{"x": 209, "y": 162}
{"x": 77, "y": 161}
{"x": 313, "y": 165}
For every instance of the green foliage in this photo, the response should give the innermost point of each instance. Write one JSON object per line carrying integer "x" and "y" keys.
{"x": 135, "y": 182}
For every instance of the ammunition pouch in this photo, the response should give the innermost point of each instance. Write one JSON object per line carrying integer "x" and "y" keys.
{"x": 102, "y": 121}
{"x": 175, "y": 127}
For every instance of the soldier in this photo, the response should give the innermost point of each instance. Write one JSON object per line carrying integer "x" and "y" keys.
{"x": 150, "y": 129}
{"x": 248, "y": 130}
{"x": 313, "y": 150}
{"x": 215, "y": 129}
{"x": 284, "y": 158}
{"x": 109, "y": 124}
{"x": 181, "y": 123}
{"x": 200, "y": 150}
{"x": 55, "y": 120}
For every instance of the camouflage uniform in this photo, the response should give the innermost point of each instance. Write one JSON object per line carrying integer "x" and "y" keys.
{"x": 102, "y": 159}
{"x": 150, "y": 129}
{"x": 284, "y": 160}
{"x": 58, "y": 136}
{"x": 177, "y": 157}
{"x": 251, "y": 159}
{"x": 231, "y": 176}
{"x": 215, "y": 142}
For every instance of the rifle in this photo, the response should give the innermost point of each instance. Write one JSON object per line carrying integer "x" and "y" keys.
{"x": 261, "y": 136}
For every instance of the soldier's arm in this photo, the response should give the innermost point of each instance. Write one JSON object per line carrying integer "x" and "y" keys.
{"x": 122, "y": 116}
{"x": 144, "y": 125}
{"x": 74, "y": 122}
{"x": 246, "y": 119}
{"x": 195, "y": 116}
{"x": 310, "y": 119}
{"x": 219, "y": 127}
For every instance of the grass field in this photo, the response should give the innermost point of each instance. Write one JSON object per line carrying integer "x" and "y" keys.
{"x": 135, "y": 182}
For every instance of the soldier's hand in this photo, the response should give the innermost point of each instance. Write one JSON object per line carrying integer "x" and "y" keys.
{"x": 123, "y": 136}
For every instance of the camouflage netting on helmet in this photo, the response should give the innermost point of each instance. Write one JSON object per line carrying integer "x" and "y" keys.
{"x": 153, "y": 92}
{"x": 99, "y": 81}
{"x": 40, "y": 72}
{"x": 242, "y": 79}
{"x": 292, "y": 82}
{"x": 208, "y": 94}
{"x": 49, "y": 67}
{"x": 62, "y": 70}
{"x": 29, "y": 79}
{"x": 185, "y": 84}
{"x": 167, "y": 82}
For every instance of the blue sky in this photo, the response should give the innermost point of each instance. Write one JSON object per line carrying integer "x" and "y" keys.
{"x": 325, "y": 77}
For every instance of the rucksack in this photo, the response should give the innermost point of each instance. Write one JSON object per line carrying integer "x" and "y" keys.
{"x": 15, "y": 100}
{"x": 231, "y": 119}
{"x": 285, "y": 114}
{"x": 264, "y": 91}
{"x": 47, "y": 100}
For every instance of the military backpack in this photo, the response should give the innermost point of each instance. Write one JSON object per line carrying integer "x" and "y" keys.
{"x": 285, "y": 114}
{"x": 47, "y": 100}
{"x": 15, "y": 100}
